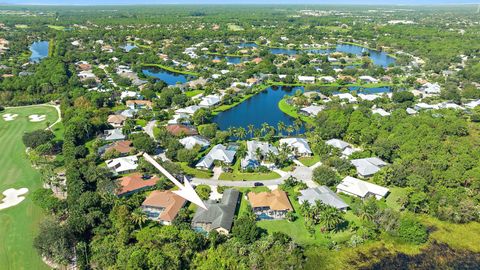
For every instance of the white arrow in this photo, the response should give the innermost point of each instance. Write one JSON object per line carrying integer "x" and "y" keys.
{"x": 187, "y": 192}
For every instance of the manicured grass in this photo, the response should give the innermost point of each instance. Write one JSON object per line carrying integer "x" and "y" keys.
{"x": 234, "y": 27}
{"x": 196, "y": 173}
{"x": 193, "y": 93}
{"x": 141, "y": 122}
{"x": 298, "y": 231}
{"x": 56, "y": 27}
{"x": 239, "y": 176}
{"x": 309, "y": 161}
{"x": 396, "y": 193}
{"x": 167, "y": 68}
{"x": 21, "y": 26}
{"x": 291, "y": 111}
{"x": 19, "y": 224}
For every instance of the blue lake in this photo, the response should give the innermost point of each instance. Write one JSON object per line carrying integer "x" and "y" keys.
{"x": 263, "y": 108}
{"x": 234, "y": 60}
{"x": 378, "y": 58}
{"x": 259, "y": 109}
{"x": 39, "y": 51}
{"x": 247, "y": 45}
{"x": 170, "y": 78}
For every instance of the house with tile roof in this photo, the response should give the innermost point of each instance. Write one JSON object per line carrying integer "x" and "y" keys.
{"x": 219, "y": 214}
{"x": 181, "y": 130}
{"x": 270, "y": 205}
{"x": 123, "y": 148}
{"x": 163, "y": 206}
{"x": 116, "y": 120}
{"x": 135, "y": 182}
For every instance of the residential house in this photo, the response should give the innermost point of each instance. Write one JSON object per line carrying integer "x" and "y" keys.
{"x": 209, "y": 101}
{"x": 252, "y": 160}
{"x": 411, "y": 111}
{"x": 347, "y": 96}
{"x": 190, "y": 142}
{"x": 116, "y": 120}
{"x": 181, "y": 130}
{"x": 218, "y": 152}
{"x": 123, "y": 165}
{"x": 324, "y": 195}
{"x": 306, "y": 79}
{"x": 367, "y": 167}
{"x": 311, "y": 110}
{"x": 368, "y": 79}
{"x": 431, "y": 88}
{"x": 163, "y": 206}
{"x": 270, "y": 205}
{"x": 219, "y": 216}
{"x": 135, "y": 182}
{"x": 369, "y": 97}
{"x": 139, "y": 104}
{"x": 179, "y": 118}
{"x": 380, "y": 111}
{"x": 362, "y": 189}
{"x": 346, "y": 148}
{"x": 300, "y": 146}
{"x": 327, "y": 79}
{"x": 188, "y": 110}
{"x": 113, "y": 135}
{"x": 123, "y": 148}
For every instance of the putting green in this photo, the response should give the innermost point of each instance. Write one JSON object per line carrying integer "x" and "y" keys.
{"x": 19, "y": 224}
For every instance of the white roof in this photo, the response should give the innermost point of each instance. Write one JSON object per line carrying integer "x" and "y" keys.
{"x": 360, "y": 188}
{"x": 323, "y": 194}
{"x": 300, "y": 144}
{"x": 264, "y": 147}
{"x": 209, "y": 100}
{"x": 411, "y": 111}
{"x": 188, "y": 110}
{"x": 369, "y": 97}
{"x": 431, "y": 88}
{"x": 218, "y": 152}
{"x": 312, "y": 110}
{"x": 123, "y": 164}
{"x": 368, "y": 78}
{"x": 177, "y": 117}
{"x": 126, "y": 94}
{"x": 327, "y": 78}
{"x": 306, "y": 78}
{"x": 368, "y": 166}
{"x": 347, "y": 96}
{"x": 338, "y": 143}
{"x": 473, "y": 104}
{"x": 380, "y": 111}
{"x": 422, "y": 105}
{"x": 190, "y": 141}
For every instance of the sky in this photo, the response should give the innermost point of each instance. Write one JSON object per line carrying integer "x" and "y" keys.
{"x": 126, "y": 2}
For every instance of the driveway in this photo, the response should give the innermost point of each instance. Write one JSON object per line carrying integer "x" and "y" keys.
{"x": 149, "y": 128}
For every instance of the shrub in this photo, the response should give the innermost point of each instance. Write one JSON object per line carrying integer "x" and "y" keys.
{"x": 412, "y": 231}
{"x": 37, "y": 137}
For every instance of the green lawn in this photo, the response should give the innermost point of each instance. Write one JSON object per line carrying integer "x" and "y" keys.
{"x": 291, "y": 111}
{"x": 56, "y": 27}
{"x": 195, "y": 172}
{"x": 299, "y": 233}
{"x": 309, "y": 161}
{"x": 234, "y": 27}
{"x": 19, "y": 224}
{"x": 193, "y": 93}
{"x": 238, "y": 175}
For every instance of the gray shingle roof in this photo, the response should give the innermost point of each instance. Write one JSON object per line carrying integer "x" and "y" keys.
{"x": 221, "y": 214}
{"x": 323, "y": 194}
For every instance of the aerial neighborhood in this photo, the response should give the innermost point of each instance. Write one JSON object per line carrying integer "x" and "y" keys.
{"x": 242, "y": 137}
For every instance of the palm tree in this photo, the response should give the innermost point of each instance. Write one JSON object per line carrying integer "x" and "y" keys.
{"x": 241, "y": 152}
{"x": 297, "y": 125}
{"x": 331, "y": 218}
{"x": 251, "y": 129}
{"x": 257, "y": 133}
{"x": 264, "y": 127}
{"x": 231, "y": 131}
{"x": 289, "y": 130}
{"x": 241, "y": 133}
{"x": 281, "y": 127}
{"x": 258, "y": 153}
{"x": 139, "y": 217}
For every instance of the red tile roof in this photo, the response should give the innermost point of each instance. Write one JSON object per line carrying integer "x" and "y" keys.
{"x": 181, "y": 129}
{"x": 165, "y": 199}
{"x": 134, "y": 181}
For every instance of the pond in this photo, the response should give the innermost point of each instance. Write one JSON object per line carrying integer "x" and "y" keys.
{"x": 170, "y": 78}
{"x": 39, "y": 51}
{"x": 378, "y": 58}
{"x": 247, "y": 45}
{"x": 370, "y": 90}
{"x": 259, "y": 109}
{"x": 233, "y": 60}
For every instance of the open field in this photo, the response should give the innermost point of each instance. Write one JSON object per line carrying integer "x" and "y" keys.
{"x": 19, "y": 224}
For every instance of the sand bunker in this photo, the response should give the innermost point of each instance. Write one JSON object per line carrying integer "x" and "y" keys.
{"x": 9, "y": 116}
{"x": 13, "y": 197}
{"x": 37, "y": 118}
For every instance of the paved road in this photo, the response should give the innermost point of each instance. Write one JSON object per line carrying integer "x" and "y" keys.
{"x": 149, "y": 128}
